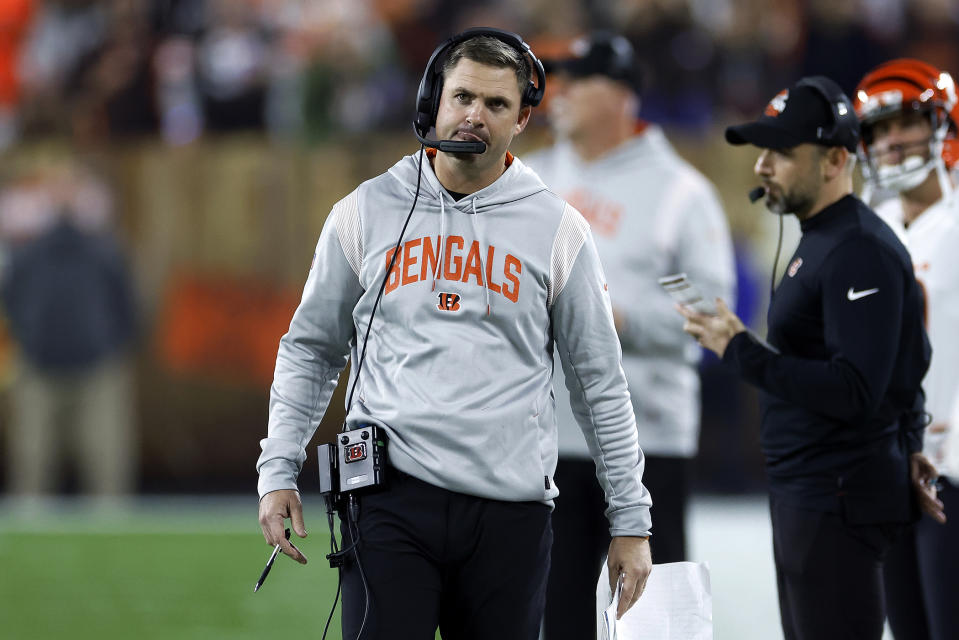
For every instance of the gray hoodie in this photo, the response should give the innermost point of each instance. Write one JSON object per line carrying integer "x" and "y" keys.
{"x": 676, "y": 225}
{"x": 459, "y": 364}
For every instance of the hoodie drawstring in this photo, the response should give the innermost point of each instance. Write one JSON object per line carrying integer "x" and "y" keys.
{"x": 477, "y": 233}
{"x": 442, "y": 240}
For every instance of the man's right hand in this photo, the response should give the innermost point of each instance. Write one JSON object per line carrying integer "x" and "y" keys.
{"x": 275, "y": 508}
{"x": 924, "y": 476}
{"x": 712, "y": 331}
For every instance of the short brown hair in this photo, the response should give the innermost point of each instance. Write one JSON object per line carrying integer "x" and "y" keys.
{"x": 494, "y": 52}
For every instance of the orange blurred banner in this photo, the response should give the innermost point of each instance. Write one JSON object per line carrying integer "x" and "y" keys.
{"x": 223, "y": 327}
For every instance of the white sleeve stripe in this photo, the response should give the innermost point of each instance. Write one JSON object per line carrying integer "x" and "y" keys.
{"x": 346, "y": 216}
{"x": 566, "y": 245}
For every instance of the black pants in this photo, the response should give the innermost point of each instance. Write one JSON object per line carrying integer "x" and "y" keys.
{"x": 581, "y": 538}
{"x": 922, "y": 592}
{"x": 829, "y": 574}
{"x": 475, "y": 568}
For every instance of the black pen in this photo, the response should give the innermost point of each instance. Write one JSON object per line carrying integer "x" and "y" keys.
{"x": 269, "y": 564}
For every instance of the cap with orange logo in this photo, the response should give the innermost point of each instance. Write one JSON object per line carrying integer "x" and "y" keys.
{"x": 812, "y": 110}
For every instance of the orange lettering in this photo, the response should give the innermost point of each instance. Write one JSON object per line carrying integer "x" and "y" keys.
{"x": 410, "y": 261}
{"x": 473, "y": 266}
{"x": 455, "y": 262}
{"x": 490, "y": 251}
{"x": 394, "y": 280}
{"x": 603, "y": 215}
{"x": 430, "y": 256}
{"x": 512, "y": 263}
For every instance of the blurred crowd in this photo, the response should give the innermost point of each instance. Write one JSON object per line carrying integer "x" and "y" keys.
{"x": 305, "y": 69}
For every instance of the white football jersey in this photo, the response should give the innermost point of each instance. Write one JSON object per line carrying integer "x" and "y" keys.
{"x": 933, "y": 243}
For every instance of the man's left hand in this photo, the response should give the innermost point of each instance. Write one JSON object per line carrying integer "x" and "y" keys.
{"x": 629, "y": 555}
{"x": 713, "y": 332}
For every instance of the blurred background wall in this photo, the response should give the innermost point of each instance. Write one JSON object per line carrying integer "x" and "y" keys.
{"x": 211, "y": 138}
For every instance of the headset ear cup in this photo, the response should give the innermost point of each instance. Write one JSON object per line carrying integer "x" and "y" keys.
{"x": 421, "y": 120}
{"x": 847, "y": 122}
{"x": 435, "y": 98}
{"x": 428, "y": 95}
{"x": 428, "y": 99}
{"x": 529, "y": 96}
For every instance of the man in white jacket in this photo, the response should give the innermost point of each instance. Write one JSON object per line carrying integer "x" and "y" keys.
{"x": 909, "y": 112}
{"x": 492, "y": 275}
{"x": 652, "y": 214}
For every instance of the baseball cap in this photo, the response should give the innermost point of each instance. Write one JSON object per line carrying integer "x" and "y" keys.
{"x": 599, "y": 53}
{"x": 813, "y": 110}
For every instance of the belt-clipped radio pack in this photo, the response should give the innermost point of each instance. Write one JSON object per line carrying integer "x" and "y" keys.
{"x": 355, "y": 461}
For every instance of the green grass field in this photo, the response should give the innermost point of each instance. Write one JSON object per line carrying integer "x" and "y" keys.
{"x": 170, "y": 570}
{"x": 184, "y": 569}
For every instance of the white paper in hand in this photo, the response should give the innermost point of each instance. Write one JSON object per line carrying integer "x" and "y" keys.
{"x": 676, "y": 605}
{"x": 609, "y": 614}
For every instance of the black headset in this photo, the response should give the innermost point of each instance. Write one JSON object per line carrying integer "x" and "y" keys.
{"x": 845, "y": 124}
{"x": 431, "y": 86}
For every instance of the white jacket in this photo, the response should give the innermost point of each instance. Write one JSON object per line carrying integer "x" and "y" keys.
{"x": 652, "y": 214}
{"x": 459, "y": 365}
{"x": 932, "y": 239}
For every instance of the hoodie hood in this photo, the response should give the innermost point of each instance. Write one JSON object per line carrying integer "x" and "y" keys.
{"x": 516, "y": 183}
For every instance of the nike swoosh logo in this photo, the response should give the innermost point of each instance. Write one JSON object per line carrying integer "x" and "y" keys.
{"x": 855, "y": 295}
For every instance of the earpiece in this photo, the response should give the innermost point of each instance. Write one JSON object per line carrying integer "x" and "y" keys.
{"x": 845, "y": 123}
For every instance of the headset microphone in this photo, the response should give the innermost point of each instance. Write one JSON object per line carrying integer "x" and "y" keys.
{"x": 754, "y": 195}
{"x": 451, "y": 146}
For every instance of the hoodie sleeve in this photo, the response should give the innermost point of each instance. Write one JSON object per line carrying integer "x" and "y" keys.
{"x": 692, "y": 227}
{"x": 589, "y": 350}
{"x": 314, "y": 351}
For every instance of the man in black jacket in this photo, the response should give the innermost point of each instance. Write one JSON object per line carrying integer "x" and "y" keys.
{"x": 840, "y": 376}
{"x": 68, "y": 297}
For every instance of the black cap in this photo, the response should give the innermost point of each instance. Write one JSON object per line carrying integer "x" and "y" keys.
{"x": 600, "y": 53}
{"x": 813, "y": 110}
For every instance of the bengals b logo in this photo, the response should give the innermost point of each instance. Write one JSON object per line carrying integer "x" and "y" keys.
{"x": 449, "y": 302}
{"x": 777, "y": 105}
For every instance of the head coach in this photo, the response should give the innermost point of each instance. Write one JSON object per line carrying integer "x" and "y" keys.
{"x": 450, "y": 280}
{"x": 840, "y": 376}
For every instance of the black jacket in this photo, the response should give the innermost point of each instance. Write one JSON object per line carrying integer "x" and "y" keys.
{"x": 68, "y": 298}
{"x": 842, "y": 401}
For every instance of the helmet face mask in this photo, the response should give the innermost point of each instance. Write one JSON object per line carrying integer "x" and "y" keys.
{"x": 900, "y": 89}
{"x": 905, "y": 162}
{"x": 905, "y": 176}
